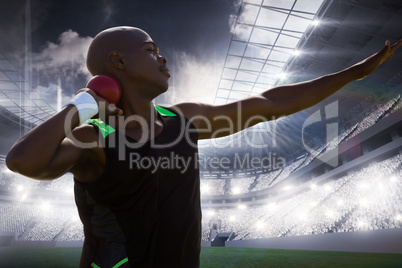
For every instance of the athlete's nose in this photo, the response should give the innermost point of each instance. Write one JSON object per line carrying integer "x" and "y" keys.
{"x": 162, "y": 59}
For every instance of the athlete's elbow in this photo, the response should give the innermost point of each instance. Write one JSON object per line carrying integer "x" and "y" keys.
{"x": 12, "y": 162}
{"x": 18, "y": 164}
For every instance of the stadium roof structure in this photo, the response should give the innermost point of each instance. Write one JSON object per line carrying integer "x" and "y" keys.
{"x": 266, "y": 36}
{"x": 18, "y": 97}
{"x": 278, "y": 42}
{"x": 261, "y": 54}
{"x": 21, "y": 107}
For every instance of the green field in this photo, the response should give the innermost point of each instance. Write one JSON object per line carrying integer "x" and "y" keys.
{"x": 212, "y": 257}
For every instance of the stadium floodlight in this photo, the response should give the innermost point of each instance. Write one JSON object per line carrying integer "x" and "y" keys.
{"x": 70, "y": 191}
{"x": 23, "y": 197}
{"x": 398, "y": 217}
{"x": 288, "y": 187}
{"x": 363, "y": 185}
{"x": 363, "y": 202}
{"x": 236, "y": 190}
{"x": 282, "y": 76}
{"x": 242, "y": 206}
{"x": 302, "y": 215}
{"x": 361, "y": 223}
{"x": 296, "y": 53}
{"x": 330, "y": 213}
{"x": 315, "y": 23}
{"x": 20, "y": 188}
{"x": 259, "y": 224}
{"x": 45, "y": 206}
{"x": 204, "y": 188}
{"x": 272, "y": 207}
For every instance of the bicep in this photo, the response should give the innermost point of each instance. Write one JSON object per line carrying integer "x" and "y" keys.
{"x": 64, "y": 160}
{"x": 214, "y": 121}
{"x": 75, "y": 154}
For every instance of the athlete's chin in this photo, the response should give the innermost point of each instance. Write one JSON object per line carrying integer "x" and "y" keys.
{"x": 164, "y": 87}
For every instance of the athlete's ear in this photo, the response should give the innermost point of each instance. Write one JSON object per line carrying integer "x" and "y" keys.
{"x": 115, "y": 59}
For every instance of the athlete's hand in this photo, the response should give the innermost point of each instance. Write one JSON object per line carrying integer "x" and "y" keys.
{"x": 369, "y": 65}
{"x": 105, "y": 109}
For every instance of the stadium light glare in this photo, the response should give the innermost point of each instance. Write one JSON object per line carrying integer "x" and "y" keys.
{"x": 363, "y": 186}
{"x": 20, "y": 188}
{"x": 211, "y": 212}
{"x": 313, "y": 186}
{"x": 282, "y": 76}
{"x": 45, "y": 206}
{"x": 302, "y": 216}
{"x": 361, "y": 223}
{"x": 272, "y": 207}
{"x": 327, "y": 188}
{"x": 204, "y": 188}
{"x": 23, "y": 197}
{"x": 236, "y": 190}
{"x": 392, "y": 179}
{"x": 315, "y": 23}
{"x": 232, "y": 218}
{"x": 6, "y": 170}
{"x": 398, "y": 217}
{"x": 259, "y": 224}
{"x": 330, "y": 213}
{"x": 340, "y": 202}
{"x": 364, "y": 202}
{"x": 288, "y": 187}
{"x": 296, "y": 53}
{"x": 70, "y": 191}
{"x": 242, "y": 207}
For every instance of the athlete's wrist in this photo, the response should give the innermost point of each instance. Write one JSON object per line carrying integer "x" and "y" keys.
{"x": 86, "y": 105}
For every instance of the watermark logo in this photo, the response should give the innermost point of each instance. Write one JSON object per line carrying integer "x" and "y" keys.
{"x": 328, "y": 116}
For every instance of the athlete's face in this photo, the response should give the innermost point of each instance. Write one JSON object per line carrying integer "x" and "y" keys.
{"x": 142, "y": 62}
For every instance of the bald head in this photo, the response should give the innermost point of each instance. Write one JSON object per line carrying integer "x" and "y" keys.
{"x": 112, "y": 40}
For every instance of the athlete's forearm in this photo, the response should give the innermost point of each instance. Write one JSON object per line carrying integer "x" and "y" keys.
{"x": 296, "y": 97}
{"x": 32, "y": 153}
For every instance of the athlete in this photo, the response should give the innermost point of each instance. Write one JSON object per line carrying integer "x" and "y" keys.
{"x": 135, "y": 169}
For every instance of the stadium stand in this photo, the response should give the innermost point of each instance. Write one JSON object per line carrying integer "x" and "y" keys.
{"x": 364, "y": 198}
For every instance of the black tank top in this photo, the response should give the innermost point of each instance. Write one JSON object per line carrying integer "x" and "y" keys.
{"x": 144, "y": 210}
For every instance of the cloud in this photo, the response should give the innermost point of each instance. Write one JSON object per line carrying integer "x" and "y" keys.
{"x": 49, "y": 95}
{"x": 193, "y": 79}
{"x": 247, "y": 15}
{"x": 64, "y": 60}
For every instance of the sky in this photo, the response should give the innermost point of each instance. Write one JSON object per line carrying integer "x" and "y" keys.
{"x": 193, "y": 35}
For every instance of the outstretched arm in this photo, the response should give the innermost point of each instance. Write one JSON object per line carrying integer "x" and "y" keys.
{"x": 222, "y": 120}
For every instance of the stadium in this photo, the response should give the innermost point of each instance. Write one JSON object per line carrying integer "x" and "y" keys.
{"x": 326, "y": 180}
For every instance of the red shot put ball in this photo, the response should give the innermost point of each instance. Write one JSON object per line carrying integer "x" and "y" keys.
{"x": 106, "y": 87}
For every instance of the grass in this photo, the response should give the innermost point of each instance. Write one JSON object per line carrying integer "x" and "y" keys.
{"x": 217, "y": 257}
{"x": 255, "y": 257}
